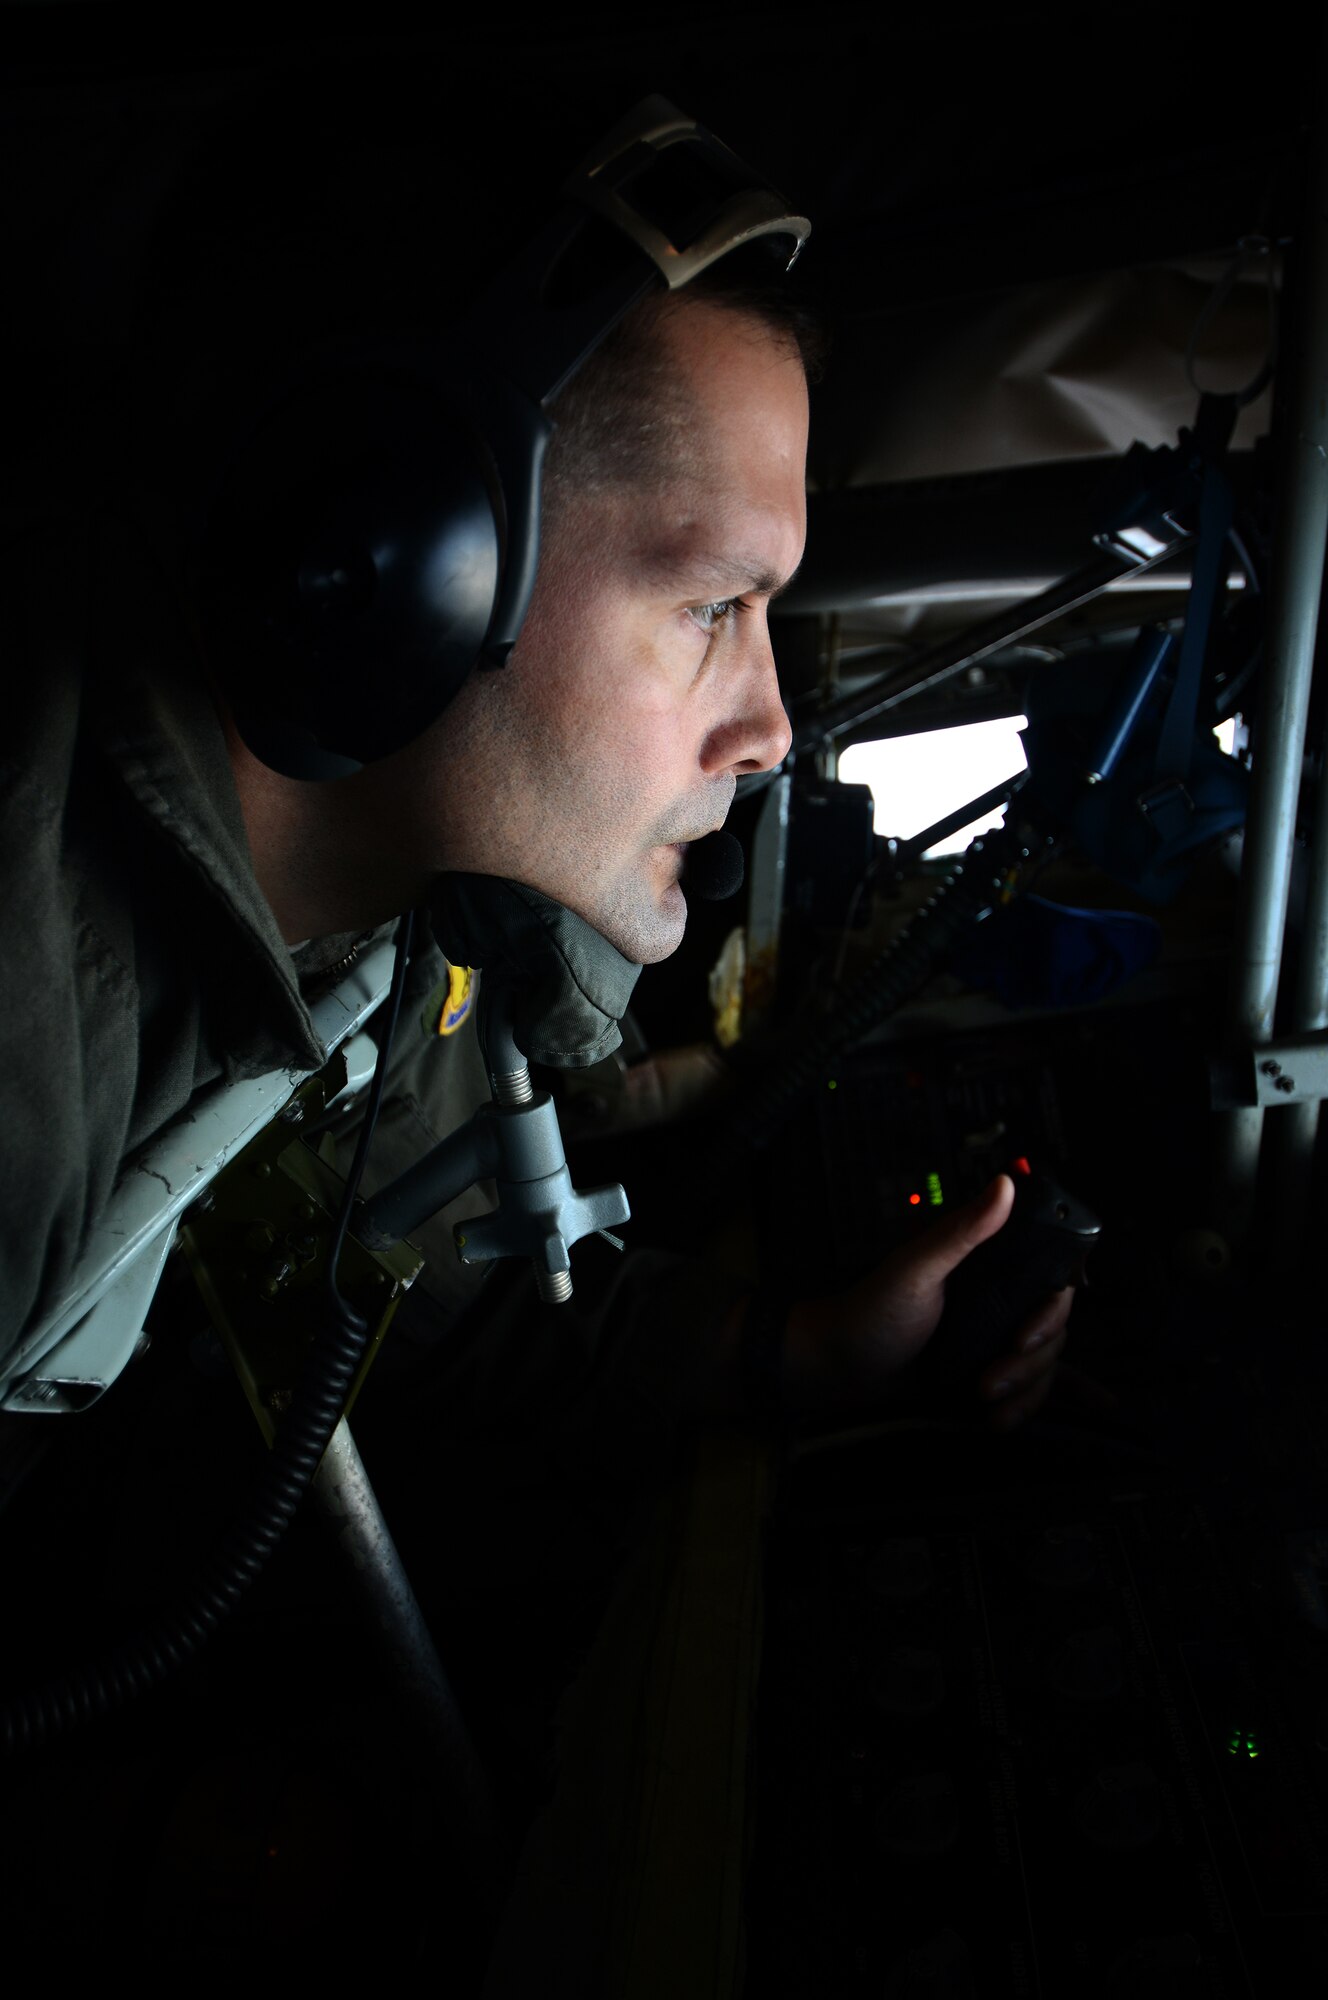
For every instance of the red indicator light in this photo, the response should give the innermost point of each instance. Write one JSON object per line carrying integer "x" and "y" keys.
{"x": 1020, "y": 1166}
{"x": 914, "y": 1200}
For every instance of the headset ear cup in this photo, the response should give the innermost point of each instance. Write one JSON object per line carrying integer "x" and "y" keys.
{"x": 350, "y": 569}
{"x": 378, "y": 536}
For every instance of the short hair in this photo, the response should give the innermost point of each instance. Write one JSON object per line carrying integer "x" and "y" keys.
{"x": 624, "y": 419}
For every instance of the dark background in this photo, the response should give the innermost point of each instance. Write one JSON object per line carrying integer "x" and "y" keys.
{"x": 945, "y": 156}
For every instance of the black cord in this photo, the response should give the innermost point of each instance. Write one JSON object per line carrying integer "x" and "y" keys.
{"x": 405, "y": 932}
{"x": 316, "y": 1410}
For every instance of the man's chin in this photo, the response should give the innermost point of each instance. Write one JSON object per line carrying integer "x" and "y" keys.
{"x": 646, "y": 929}
{"x": 669, "y": 925}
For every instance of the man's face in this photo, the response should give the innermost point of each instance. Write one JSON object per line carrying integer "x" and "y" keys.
{"x": 643, "y": 684}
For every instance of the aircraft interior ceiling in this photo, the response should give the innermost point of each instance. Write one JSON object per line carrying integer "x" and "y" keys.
{"x": 901, "y": 1703}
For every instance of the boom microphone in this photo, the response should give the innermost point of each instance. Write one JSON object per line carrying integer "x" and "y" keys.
{"x": 713, "y": 868}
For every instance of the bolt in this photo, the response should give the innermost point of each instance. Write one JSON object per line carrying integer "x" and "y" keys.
{"x": 279, "y": 1400}
{"x": 1286, "y": 1083}
{"x": 1271, "y": 1068}
{"x": 275, "y": 1281}
{"x": 513, "y": 1087}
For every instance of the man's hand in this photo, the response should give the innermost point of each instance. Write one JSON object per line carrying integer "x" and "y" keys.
{"x": 842, "y": 1354}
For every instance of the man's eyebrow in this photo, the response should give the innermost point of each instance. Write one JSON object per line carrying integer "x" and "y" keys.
{"x": 724, "y": 576}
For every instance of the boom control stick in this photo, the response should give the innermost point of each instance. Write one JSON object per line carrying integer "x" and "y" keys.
{"x": 1043, "y": 1247}
{"x": 516, "y": 1141}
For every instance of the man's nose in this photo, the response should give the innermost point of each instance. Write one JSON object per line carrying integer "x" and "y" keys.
{"x": 755, "y": 735}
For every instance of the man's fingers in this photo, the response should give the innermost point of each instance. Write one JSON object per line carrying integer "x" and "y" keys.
{"x": 1037, "y": 1350}
{"x": 1015, "y": 1371}
{"x": 1049, "y": 1320}
{"x": 932, "y": 1258}
{"x": 1022, "y": 1404}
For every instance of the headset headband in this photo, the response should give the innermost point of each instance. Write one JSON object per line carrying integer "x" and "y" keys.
{"x": 615, "y": 177}
{"x": 675, "y": 195}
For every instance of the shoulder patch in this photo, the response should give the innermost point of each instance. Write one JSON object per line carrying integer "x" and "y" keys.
{"x": 450, "y": 1001}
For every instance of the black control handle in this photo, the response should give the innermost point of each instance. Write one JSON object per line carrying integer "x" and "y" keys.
{"x": 1042, "y": 1248}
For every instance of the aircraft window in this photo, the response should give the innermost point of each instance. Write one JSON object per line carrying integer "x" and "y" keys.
{"x": 917, "y": 780}
{"x": 1232, "y": 735}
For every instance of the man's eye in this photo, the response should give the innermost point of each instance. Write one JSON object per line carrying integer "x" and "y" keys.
{"x": 710, "y": 616}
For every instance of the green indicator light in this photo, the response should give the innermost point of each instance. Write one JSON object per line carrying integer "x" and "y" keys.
{"x": 1251, "y": 1747}
{"x": 832, "y": 1085}
{"x": 934, "y": 1194}
{"x": 1233, "y": 1747}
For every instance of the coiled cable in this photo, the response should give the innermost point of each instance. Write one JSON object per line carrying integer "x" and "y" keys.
{"x": 316, "y": 1409}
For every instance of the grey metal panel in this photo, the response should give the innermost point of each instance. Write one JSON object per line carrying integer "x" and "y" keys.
{"x": 170, "y": 1173}
{"x": 71, "y": 1375}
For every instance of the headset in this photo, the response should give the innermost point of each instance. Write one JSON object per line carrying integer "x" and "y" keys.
{"x": 376, "y": 539}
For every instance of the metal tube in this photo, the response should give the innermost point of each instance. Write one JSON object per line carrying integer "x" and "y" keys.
{"x": 467, "y": 1155}
{"x": 1296, "y": 585}
{"x": 1310, "y": 1001}
{"x": 937, "y": 663}
{"x": 918, "y": 843}
{"x": 342, "y": 1491}
{"x": 1150, "y": 656}
{"x": 1293, "y": 1131}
